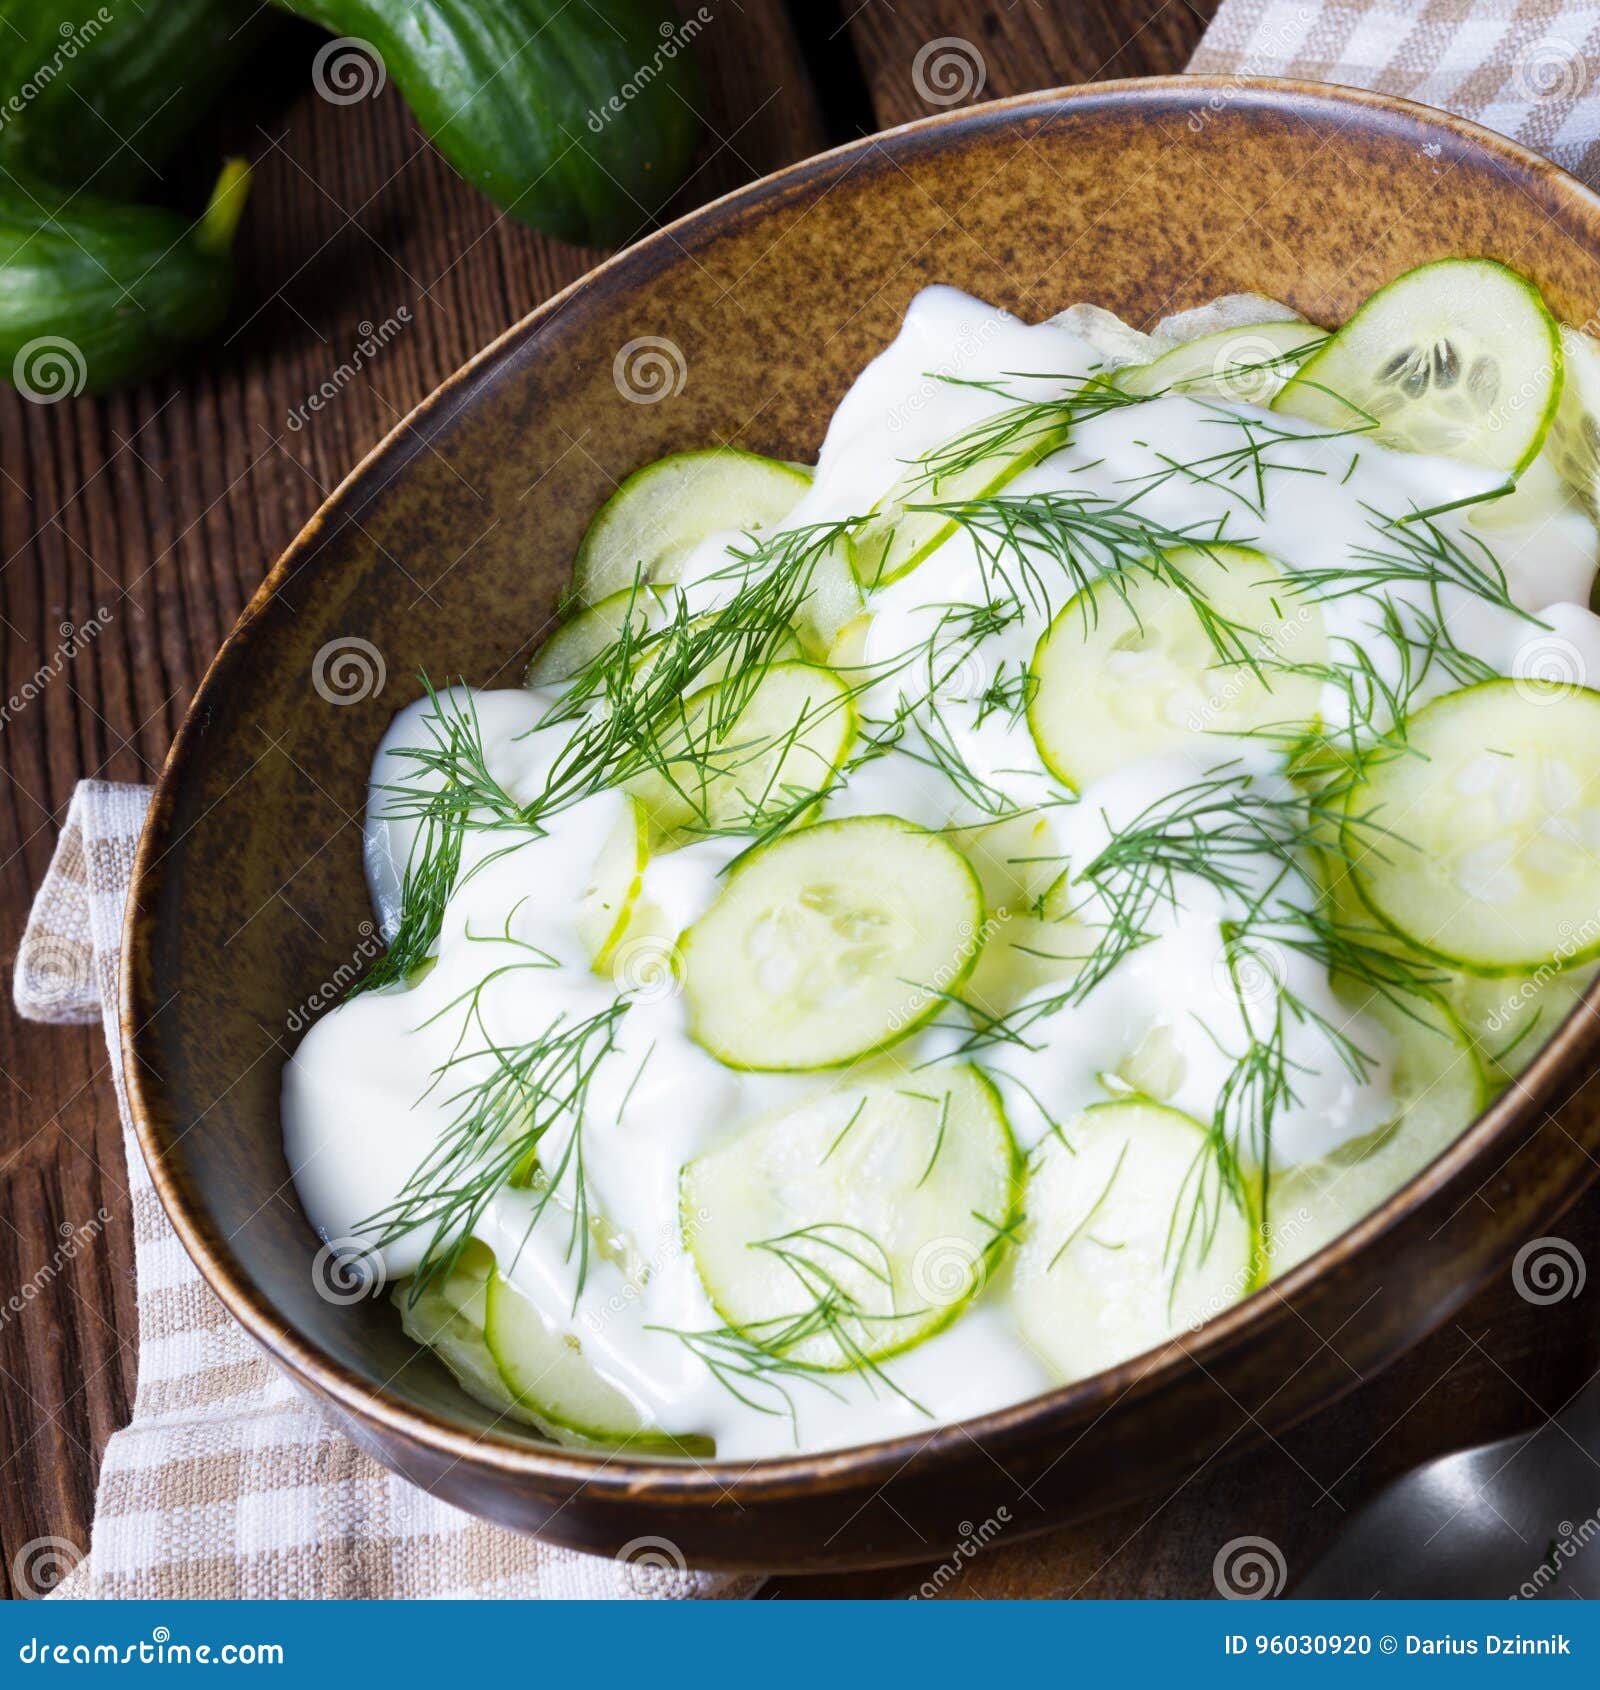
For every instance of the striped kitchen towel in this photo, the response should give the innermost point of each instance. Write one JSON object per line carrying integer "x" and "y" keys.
{"x": 227, "y": 1483}
{"x": 1526, "y": 68}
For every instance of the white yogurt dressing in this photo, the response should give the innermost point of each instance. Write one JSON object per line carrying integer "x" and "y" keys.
{"x": 369, "y": 1092}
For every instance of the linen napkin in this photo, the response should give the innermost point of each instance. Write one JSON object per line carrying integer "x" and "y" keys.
{"x": 228, "y": 1483}
{"x": 1526, "y": 68}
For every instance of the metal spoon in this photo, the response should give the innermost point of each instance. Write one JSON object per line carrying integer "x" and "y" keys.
{"x": 1520, "y": 1517}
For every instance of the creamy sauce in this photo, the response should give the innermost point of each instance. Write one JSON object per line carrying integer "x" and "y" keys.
{"x": 363, "y": 1098}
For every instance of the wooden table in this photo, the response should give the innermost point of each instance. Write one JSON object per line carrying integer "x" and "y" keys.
{"x": 166, "y": 506}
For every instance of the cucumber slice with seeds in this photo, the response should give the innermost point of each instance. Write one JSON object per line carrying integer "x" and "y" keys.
{"x": 1460, "y": 358}
{"x": 831, "y": 943}
{"x": 1440, "y": 1088}
{"x": 660, "y": 514}
{"x": 1102, "y": 1272}
{"x": 1122, "y": 675}
{"x": 1249, "y": 364}
{"x": 859, "y": 1223}
{"x": 747, "y": 759}
{"x": 1482, "y": 848}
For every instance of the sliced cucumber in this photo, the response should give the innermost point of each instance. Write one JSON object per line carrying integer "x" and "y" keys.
{"x": 1459, "y": 357}
{"x": 858, "y": 1223}
{"x": 1506, "y": 1017}
{"x": 1109, "y": 1264}
{"x": 1124, "y": 675}
{"x": 659, "y": 515}
{"x": 894, "y": 540}
{"x": 1541, "y": 495}
{"x": 1117, "y": 342}
{"x": 785, "y": 648}
{"x": 1229, "y": 311}
{"x": 832, "y": 602}
{"x": 1574, "y": 444}
{"x": 849, "y": 648}
{"x": 1023, "y": 952}
{"x": 1016, "y": 858}
{"x": 1483, "y": 847}
{"x": 544, "y": 1369}
{"x": 448, "y": 1319}
{"x": 608, "y": 900}
{"x": 576, "y": 643}
{"x": 831, "y": 943}
{"x": 1509, "y": 1019}
{"x": 744, "y": 758}
{"x": 1440, "y": 1088}
{"x": 1248, "y": 365}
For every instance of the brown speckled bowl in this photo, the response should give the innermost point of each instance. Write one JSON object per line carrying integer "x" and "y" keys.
{"x": 448, "y": 547}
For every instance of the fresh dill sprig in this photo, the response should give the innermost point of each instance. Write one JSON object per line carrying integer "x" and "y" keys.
{"x": 627, "y": 708}
{"x": 1042, "y": 549}
{"x": 1025, "y": 431}
{"x": 819, "y": 1257}
{"x": 757, "y": 1360}
{"x": 449, "y": 793}
{"x": 1412, "y": 550}
{"x": 1093, "y": 1209}
{"x": 1239, "y": 471}
{"x": 1007, "y": 695}
{"x": 515, "y": 1096}
{"x": 1377, "y": 697}
{"x": 751, "y": 1373}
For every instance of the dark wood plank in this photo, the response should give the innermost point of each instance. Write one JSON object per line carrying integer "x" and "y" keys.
{"x": 165, "y": 506}
{"x": 932, "y": 55}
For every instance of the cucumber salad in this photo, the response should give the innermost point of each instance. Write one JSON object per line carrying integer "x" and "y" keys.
{"x": 944, "y": 922}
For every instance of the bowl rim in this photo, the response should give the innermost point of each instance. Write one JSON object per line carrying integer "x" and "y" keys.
{"x": 686, "y": 1480}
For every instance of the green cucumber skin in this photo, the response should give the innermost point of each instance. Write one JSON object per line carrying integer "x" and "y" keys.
{"x": 643, "y": 1442}
{"x": 914, "y": 1025}
{"x": 1306, "y": 374}
{"x": 1462, "y": 965}
{"x": 515, "y": 94}
{"x": 99, "y": 96}
{"x": 128, "y": 286}
{"x": 994, "y": 1252}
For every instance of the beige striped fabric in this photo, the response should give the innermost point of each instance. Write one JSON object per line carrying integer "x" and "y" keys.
{"x": 227, "y": 1483}
{"x": 1526, "y": 68}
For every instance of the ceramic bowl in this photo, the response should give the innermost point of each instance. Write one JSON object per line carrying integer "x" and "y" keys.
{"x": 448, "y": 547}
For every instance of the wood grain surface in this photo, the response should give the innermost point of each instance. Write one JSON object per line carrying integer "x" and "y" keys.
{"x": 164, "y": 506}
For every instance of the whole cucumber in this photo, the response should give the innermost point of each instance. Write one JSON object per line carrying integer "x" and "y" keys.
{"x": 577, "y": 119}
{"x": 97, "y": 96}
{"x": 95, "y": 294}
